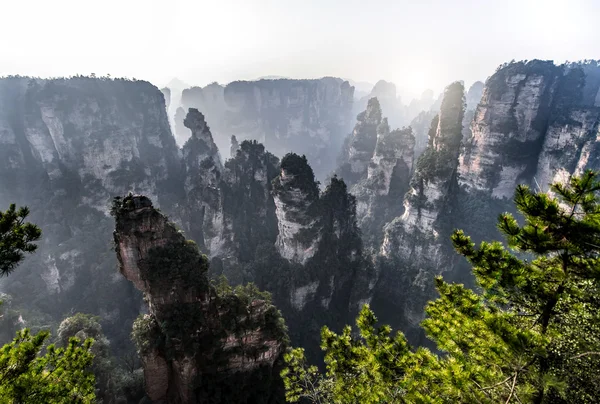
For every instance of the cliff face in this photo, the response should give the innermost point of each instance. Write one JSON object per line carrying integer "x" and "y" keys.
{"x": 536, "y": 123}
{"x": 295, "y": 194}
{"x": 229, "y": 209}
{"x": 360, "y": 145}
{"x": 393, "y": 106}
{"x": 198, "y": 341}
{"x": 66, "y": 147}
{"x": 412, "y": 250}
{"x": 309, "y": 117}
{"x": 377, "y": 163}
{"x": 516, "y": 125}
{"x": 432, "y": 181}
{"x": 203, "y": 169}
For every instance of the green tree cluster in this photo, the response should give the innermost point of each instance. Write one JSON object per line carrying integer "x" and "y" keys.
{"x": 60, "y": 374}
{"x": 528, "y": 334}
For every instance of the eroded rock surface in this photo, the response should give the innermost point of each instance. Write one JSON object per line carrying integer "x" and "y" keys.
{"x": 198, "y": 341}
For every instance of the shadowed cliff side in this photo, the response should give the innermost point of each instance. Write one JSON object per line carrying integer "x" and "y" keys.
{"x": 200, "y": 342}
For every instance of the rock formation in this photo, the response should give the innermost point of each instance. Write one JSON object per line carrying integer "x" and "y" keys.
{"x": 296, "y": 193}
{"x": 474, "y": 95}
{"x": 420, "y": 126}
{"x": 310, "y": 117}
{"x": 66, "y": 147}
{"x": 414, "y": 247}
{"x": 377, "y": 164}
{"x": 234, "y": 146}
{"x": 390, "y": 104}
{"x": 528, "y": 110}
{"x": 202, "y": 177}
{"x": 360, "y": 146}
{"x": 197, "y": 343}
{"x": 433, "y": 178}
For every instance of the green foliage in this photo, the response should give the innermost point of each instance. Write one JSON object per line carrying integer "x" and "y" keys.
{"x": 301, "y": 175}
{"x": 16, "y": 238}
{"x": 58, "y": 376}
{"x": 61, "y": 375}
{"x": 113, "y": 382}
{"x": 178, "y": 260}
{"x": 145, "y": 333}
{"x": 530, "y": 335}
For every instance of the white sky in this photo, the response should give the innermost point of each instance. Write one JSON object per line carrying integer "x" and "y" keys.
{"x": 417, "y": 44}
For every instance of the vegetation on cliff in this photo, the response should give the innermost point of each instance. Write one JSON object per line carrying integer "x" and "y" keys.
{"x": 530, "y": 333}
{"x": 230, "y": 339}
{"x": 60, "y": 374}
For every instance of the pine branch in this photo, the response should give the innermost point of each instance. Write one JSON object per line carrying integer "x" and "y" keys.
{"x": 581, "y": 355}
{"x": 512, "y": 389}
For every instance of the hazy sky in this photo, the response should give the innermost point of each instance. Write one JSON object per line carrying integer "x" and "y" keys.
{"x": 416, "y": 44}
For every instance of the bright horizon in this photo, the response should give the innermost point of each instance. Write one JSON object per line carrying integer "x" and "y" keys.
{"x": 416, "y": 45}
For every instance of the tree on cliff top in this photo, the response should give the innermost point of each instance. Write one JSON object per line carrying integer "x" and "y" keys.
{"x": 531, "y": 335}
{"x": 61, "y": 374}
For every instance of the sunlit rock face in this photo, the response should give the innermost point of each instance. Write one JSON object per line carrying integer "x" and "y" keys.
{"x": 196, "y": 340}
{"x": 309, "y": 117}
{"x": 412, "y": 249}
{"x": 516, "y": 125}
{"x": 433, "y": 177}
{"x": 67, "y": 146}
{"x": 571, "y": 145}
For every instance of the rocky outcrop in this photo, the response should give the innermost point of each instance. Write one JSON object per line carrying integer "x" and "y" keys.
{"x": 310, "y": 117}
{"x": 167, "y": 94}
{"x": 247, "y": 207}
{"x": 393, "y": 107}
{"x": 432, "y": 181}
{"x": 414, "y": 247}
{"x": 197, "y": 341}
{"x": 295, "y": 193}
{"x": 509, "y": 127}
{"x": 234, "y": 146}
{"x": 360, "y": 145}
{"x": 571, "y": 145}
{"x": 66, "y": 147}
{"x": 202, "y": 178}
{"x": 209, "y": 100}
{"x": 379, "y": 196}
{"x": 390, "y": 104}
{"x": 515, "y": 126}
{"x": 377, "y": 163}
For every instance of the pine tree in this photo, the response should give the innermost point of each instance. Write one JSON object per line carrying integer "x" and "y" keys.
{"x": 17, "y": 237}
{"x": 529, "y": 333}
{"x": 60, "y": 375}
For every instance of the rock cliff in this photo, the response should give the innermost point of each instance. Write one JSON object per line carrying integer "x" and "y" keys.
{"x": 518, "y": 124}
{"x": 414, "y": 246}
{"x": 66, "y": 147}
{"x": 199, "y": 342}
{"x": 310, "y": 117}
{"x": 203, "y": 169}
{"x": 377, "y": 164}
{"x": 296, "y": 194}
{"x": 360, "y": 145}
